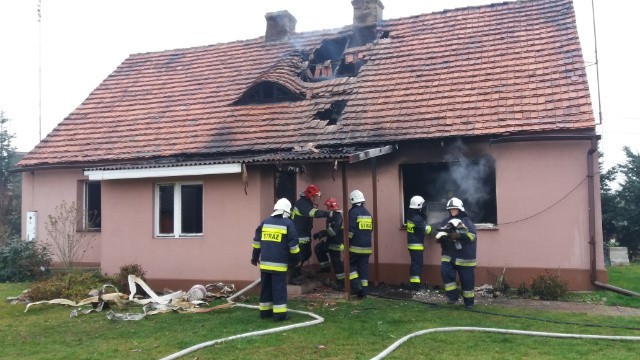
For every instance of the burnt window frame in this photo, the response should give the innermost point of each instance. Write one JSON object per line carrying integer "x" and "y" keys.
{"x": 429, "y": 191}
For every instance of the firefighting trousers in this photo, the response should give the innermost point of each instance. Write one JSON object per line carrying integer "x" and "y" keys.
{"x": 305, "y": 252}
{"x": 273, "y": 295}
{"x": 466, "y": 274}
{"x": 305, "y": 255}
{"x": 324, "y": 255}
{"x": 359, "y": 270}
{"x": 415, "y": 269}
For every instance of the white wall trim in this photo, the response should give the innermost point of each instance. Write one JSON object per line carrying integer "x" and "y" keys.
{"x": 163, "y": 172}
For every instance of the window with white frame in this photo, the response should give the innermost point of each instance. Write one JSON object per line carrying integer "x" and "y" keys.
{"x": 92, "y": 219}
{"x": 178, "y": 211}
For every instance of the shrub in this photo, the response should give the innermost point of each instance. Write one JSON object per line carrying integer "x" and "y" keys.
{"x": 523, "y": 291}
{"x": 548, "y": 286}
{"x": 74, "y": 285}
{"x": 24, "y": 261}
{"x": 120, "y": 280}
{"x": 502, "y": 284}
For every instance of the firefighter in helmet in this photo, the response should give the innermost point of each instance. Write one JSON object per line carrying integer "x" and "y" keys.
{"x": 304, "y": 211}
{"x": 416, "y": 230}
{"x": 329, "y": 248}
{"x": 457, "y": 238}
{"x": 275, "y": 246}
{"x": 360, "y": 243}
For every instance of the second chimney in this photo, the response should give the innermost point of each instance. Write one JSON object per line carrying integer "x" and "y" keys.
{"x": 366, "y": 12}
{"x": 280, "y": 26}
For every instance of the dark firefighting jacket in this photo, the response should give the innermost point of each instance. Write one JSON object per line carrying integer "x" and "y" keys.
{"x": 303, "y": 214}
{"x": 275, "y": 243}
{"x": 333, "y": 231}
{"x": 467, "y": 240}
{"x": 416, "y": 229}
{"x": 360, "y": 228}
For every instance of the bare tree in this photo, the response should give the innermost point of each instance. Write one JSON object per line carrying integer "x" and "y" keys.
{"x": 64, "y": 229}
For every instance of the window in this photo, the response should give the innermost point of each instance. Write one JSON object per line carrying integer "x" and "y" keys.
{"x": 92, "y": 219}
{"x": 267, "y": 92}
{"x": 285, "y": 183}
{"x": 473, "y": 181}
{"x": 179, "y": 210}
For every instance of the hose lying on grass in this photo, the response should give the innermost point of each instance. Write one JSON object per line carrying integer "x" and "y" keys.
{"x": 392, "y": 347}
{"x": 318, "y": 320}
{"x": 397, "y": 344}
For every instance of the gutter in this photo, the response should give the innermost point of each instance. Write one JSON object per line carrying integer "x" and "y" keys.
{"x": 590, "y": 194}
{"x": 592, "y": 225}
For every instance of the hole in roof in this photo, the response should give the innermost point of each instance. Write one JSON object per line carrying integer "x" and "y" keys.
{"x": 333, "y": 59}
{"x": 267, "y": 92}
{"x": 333, "y": 113}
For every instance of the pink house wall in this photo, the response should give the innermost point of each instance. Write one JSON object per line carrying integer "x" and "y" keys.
{"x": 535, "y": 231}
{"x": 530, "y": 178}
{"x": 42, "y": 191}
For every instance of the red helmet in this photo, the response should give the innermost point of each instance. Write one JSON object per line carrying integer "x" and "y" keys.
{"x": 332, "y": 204}
{"x": 312, "y": 191}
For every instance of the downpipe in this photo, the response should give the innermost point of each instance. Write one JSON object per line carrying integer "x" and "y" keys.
{"x": 592, "y": 225}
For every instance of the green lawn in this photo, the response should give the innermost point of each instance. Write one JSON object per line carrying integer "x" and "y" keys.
{"x": 626, "y": 277}
{"x": 351, "y": 330}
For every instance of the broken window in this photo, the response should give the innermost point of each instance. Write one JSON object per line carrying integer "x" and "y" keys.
{"x": 92, "y": 206}
{"x": 472, "y": 181}
{"x": 179, "y": 209}
{"x": 267, "y": 92}
{"x": 284, "y": 181}
{"x": 332, "y": 113}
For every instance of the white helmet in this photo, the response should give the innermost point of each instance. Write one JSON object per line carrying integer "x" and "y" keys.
{"x": 282, "y": 207}
{"x": 356, "y": 197}
{"x": 455, "y": 203}
{"x": 416, "y": 202}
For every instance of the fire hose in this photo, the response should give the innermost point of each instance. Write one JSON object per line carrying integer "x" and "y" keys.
{"x": 318, "y": 320}
{"x": 395, "y": 345}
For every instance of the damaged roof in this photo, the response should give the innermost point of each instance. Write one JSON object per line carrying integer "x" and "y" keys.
{"x": 509, "y": 68}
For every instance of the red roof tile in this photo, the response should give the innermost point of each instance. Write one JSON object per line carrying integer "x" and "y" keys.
{"x": 490, "y": 70}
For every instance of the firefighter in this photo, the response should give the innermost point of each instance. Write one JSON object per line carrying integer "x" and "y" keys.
{"x": 360, "y": 242}
{"x": 457, "y": 238}
{"x": 416, "y": 230}
{"x": 275, "y": 246}
{"x": 331, "y": 243}
{"x": 304, "y": 211}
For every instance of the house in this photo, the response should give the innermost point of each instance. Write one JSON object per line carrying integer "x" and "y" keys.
{"x": 183, "y": 152}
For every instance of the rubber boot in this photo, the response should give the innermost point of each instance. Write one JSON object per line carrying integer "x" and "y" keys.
{"x": 296, "y": 277}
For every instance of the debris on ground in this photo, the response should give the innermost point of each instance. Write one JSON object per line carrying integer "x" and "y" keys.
{"x": 193, "y": 301}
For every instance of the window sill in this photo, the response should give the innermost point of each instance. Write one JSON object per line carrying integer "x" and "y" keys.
{"x": 486, "y": 226}
{"x": 200, "y": 236}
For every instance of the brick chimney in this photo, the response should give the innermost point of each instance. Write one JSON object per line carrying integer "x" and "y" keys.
{"x": 280, "y": 26}
{"x": 366, "y": 12}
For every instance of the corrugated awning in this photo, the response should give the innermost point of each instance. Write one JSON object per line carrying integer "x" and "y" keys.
{"x": 227, "y": 165}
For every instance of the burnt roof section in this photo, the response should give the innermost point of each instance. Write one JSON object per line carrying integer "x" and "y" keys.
{"x": 510, "y": 68}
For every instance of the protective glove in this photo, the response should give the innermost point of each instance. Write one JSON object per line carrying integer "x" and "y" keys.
{"x": 440, "y": 235}
{"x": 254, "y": 262}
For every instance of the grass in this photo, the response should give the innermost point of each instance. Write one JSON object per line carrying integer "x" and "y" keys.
{"x": 625, "y": 277}
{"x": 352, "y": 330}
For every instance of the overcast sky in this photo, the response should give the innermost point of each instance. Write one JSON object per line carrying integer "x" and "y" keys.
{"x": 78, "y": 43}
